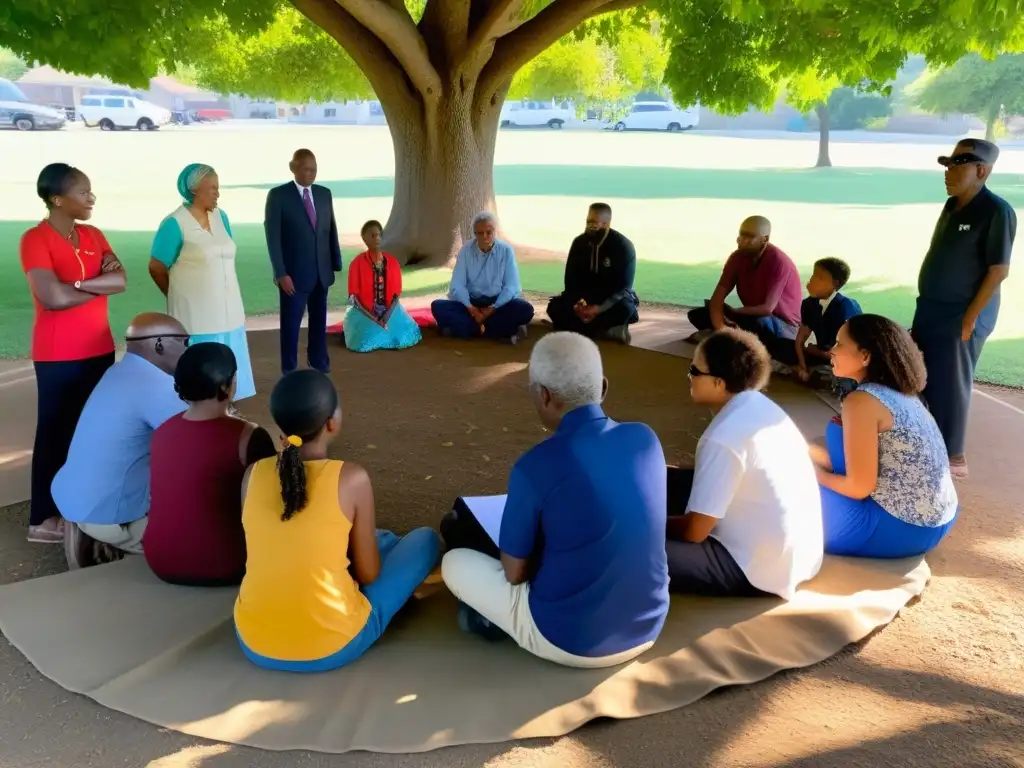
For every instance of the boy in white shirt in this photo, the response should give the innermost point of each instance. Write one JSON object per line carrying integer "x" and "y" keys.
{"x": 746, "y": 521}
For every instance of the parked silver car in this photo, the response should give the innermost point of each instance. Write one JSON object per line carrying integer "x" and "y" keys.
{"x": 16, "y": 111}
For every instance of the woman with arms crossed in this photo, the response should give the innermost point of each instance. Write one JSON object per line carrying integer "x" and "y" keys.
{"x": 71, "y": 270}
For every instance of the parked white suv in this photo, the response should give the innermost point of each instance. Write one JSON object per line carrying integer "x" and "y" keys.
{"x": 17, "y": 112}
{"x": 659, "y": 116}
{"x": 533, "y": 114}
{"x": 113, "y": 113}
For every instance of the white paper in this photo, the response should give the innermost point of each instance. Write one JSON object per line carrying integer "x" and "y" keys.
{"x": 488, "y": 511}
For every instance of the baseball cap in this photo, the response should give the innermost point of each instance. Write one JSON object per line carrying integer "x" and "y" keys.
{"x": 972, "y": 151}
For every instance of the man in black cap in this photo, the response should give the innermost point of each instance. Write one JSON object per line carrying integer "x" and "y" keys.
{"x": 598, "y": 300}
{"x": 958, "y": 288}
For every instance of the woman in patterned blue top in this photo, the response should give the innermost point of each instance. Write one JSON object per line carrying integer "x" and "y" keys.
{"x": 886, "y": 490}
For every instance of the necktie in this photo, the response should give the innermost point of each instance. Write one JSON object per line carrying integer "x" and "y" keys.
{"x": 310, "y": 210}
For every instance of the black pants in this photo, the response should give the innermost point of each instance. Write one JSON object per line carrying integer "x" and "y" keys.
{"x": 701, "y": 569}
{"x": 62, "y": 390}
{"x": 461, "y": 530}
{"x": 564, "y": 318}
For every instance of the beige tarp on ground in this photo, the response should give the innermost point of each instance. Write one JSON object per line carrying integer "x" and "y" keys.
{"x": 168, "y": 655}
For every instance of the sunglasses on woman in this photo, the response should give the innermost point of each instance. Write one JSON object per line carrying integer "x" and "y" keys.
{"x": 695, "y": 372}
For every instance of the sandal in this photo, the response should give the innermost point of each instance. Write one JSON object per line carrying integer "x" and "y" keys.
{"x": 43, "y": 534}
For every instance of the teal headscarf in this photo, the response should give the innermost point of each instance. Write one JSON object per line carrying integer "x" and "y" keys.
{"x": 189, "y": 179}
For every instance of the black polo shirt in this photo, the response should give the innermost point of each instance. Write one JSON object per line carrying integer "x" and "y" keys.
{"x": 965, "y": 244}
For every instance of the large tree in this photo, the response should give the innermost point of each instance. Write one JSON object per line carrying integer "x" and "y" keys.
{"x": 974, "y": 86}
{"x": 442, "y": 68}
{"x": 11, "y": 67}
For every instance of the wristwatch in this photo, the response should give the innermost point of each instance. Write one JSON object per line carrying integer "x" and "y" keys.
{"x": 78, "y": 285}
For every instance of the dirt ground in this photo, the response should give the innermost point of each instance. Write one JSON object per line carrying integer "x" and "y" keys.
{"x": 941, "y": 686}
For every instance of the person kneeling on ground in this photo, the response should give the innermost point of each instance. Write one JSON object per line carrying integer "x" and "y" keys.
{"x": 767, "y": 283}
{"x": 886, "y": 486}
{"x": 484, "y": 293}
{"x": 822, "y": 314}
{"x": 598, "y": 300}
{"x": 194, "y": 535}
{"x": 579, "y": 575}
{"x": 321, "y": 582}
{"x": 103, "y": 488}
{"x": 746, "y": 522}
{"x": 375, "y": 318}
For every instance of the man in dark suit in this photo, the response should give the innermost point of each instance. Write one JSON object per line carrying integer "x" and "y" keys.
{"x": 302, "y": 237}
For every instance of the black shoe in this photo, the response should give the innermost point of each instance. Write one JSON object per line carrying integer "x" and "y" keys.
{"x": 473, "y": 623}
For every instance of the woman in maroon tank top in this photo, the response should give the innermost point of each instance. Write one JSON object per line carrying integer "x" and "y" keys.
{"x": 194, "y": 535}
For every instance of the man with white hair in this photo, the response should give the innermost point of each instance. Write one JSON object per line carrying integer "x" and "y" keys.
{"x": 579, "y": 575}
{"x": 484, "y": 293}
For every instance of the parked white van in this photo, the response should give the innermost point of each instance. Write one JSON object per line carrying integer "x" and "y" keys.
{"x": 659, "y": 116}
{"x": 114, "y": 113}
{"x": 533, "y": 114}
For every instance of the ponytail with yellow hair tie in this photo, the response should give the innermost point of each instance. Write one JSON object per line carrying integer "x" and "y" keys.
{"x": 293, "y": 440}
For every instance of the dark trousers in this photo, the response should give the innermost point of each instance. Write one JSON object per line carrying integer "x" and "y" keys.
{"x": 461, "y": 530}
{"x": 292, "y": 309}
{"x": 767, "y": 329}
{"x": 62, "y": 390}
{"x": 564, "y": 318}
{"x": 701, "y": 569}
{"x": 453, "y": 317}
{"x": 950, "y": 362}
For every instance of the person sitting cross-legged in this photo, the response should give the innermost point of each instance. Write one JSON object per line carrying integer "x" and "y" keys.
{"x": 321, "y": 583}
{"x": 598, "y": 299}
{"x": 767, "y": 283}
{"x": 578, "y": 576}
{"x": 746, "y": 521}
{"x": 194, "y": 532}
{"x": 484, "y": 294}
{"x": 375, "y": 318}
{"x": 103, "y": 488}
{"x": 886, "y": 485}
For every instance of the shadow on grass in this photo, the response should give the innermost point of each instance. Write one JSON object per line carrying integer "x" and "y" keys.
{"x": 656, "y": 282}
{"x": 831, "y": 186}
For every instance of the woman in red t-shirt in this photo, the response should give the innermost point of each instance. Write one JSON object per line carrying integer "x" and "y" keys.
{"x": 71, "y": 270}
{"x": 194, "y": 531}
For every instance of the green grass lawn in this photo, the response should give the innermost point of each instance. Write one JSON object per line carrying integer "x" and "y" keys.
{"x": 679, "y": 199}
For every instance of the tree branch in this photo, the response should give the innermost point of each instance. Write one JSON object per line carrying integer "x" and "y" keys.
{"x": 371, "y": 55}
{"x": 531, "y": 38}
{"x": 446, "y": 22}
{"x": 490, "y": 26}
{"x": 397, "y": 31}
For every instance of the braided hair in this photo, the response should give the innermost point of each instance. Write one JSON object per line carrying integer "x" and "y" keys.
{"x": 301, "y": 404}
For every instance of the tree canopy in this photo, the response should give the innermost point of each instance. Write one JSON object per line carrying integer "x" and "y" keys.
{"x": 442, "y": 68}
{"x": 11, "y": 67}
{"x": 975, "y": 86}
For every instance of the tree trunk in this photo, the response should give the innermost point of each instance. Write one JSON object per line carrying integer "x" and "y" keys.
{"x": 444, "y": 174}
{"x": 821, "y": 110}
{"x": 990, "y": 127}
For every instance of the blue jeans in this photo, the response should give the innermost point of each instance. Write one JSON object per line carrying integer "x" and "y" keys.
{"x": 405, "y": 562}
{"x": 862, "y": 527}
{"x": 767, "y": 329}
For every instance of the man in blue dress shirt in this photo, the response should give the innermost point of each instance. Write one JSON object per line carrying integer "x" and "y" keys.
{"x": 484, "y": 293}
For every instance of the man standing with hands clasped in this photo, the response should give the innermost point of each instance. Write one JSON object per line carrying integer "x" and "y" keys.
{"x": 302, "y": 237}
{"x": 958, "y": 288}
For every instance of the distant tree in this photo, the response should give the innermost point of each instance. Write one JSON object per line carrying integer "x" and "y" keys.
{"x": 11, "y": 67}
{"x": 987, "y": 89}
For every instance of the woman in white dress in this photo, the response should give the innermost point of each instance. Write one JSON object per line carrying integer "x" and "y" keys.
{"x": 193, "y": 264}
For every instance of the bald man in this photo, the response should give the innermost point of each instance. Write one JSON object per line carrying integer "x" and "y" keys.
{"x": 767, "y": 283}
{"x": 302, "y": 238}
{"x": 102, "y": 490}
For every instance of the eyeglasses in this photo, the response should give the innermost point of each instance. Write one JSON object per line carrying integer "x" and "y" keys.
{"x": 965, "y": 159}
{"x": 185, "y": 338}
{"x": 696, "y": 372}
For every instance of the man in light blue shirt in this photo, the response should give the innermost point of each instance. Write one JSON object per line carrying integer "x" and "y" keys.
{"x": 484, "y": 293}
{"x": 103, "y": 487}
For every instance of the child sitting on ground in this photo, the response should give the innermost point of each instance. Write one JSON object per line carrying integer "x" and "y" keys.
{"x": 822, "y": 314}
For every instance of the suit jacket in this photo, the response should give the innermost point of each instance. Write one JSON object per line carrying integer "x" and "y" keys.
{"x": 305, "y": 254}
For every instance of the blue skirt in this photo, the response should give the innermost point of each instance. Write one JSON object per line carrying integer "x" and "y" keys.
{"x": 364, "y": 335}
{"x": 245, "y": 386}
{"x": 862, "y": 527}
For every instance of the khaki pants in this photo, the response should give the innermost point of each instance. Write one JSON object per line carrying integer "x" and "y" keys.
{"x": 127, "y": 537}
{"x": 479, "y": 581}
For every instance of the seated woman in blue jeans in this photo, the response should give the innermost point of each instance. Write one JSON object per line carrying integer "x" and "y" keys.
{"x": 886, "y": 490}
{"x": 321, "y": 582}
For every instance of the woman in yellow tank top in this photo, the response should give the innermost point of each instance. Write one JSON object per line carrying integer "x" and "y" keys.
{"x": 321, "y": 582}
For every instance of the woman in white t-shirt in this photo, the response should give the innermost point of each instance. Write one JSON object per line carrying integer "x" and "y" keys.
{"x": 746, "y": 521}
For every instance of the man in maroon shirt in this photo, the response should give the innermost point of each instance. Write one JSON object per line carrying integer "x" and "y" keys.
{"x": 767, "y": 283}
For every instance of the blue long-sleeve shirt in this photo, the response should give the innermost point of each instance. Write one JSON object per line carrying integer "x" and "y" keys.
{"x": 478, "y": 274}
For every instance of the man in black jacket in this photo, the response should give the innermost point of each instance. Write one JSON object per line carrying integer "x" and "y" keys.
{"x": 598, "y": 300}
